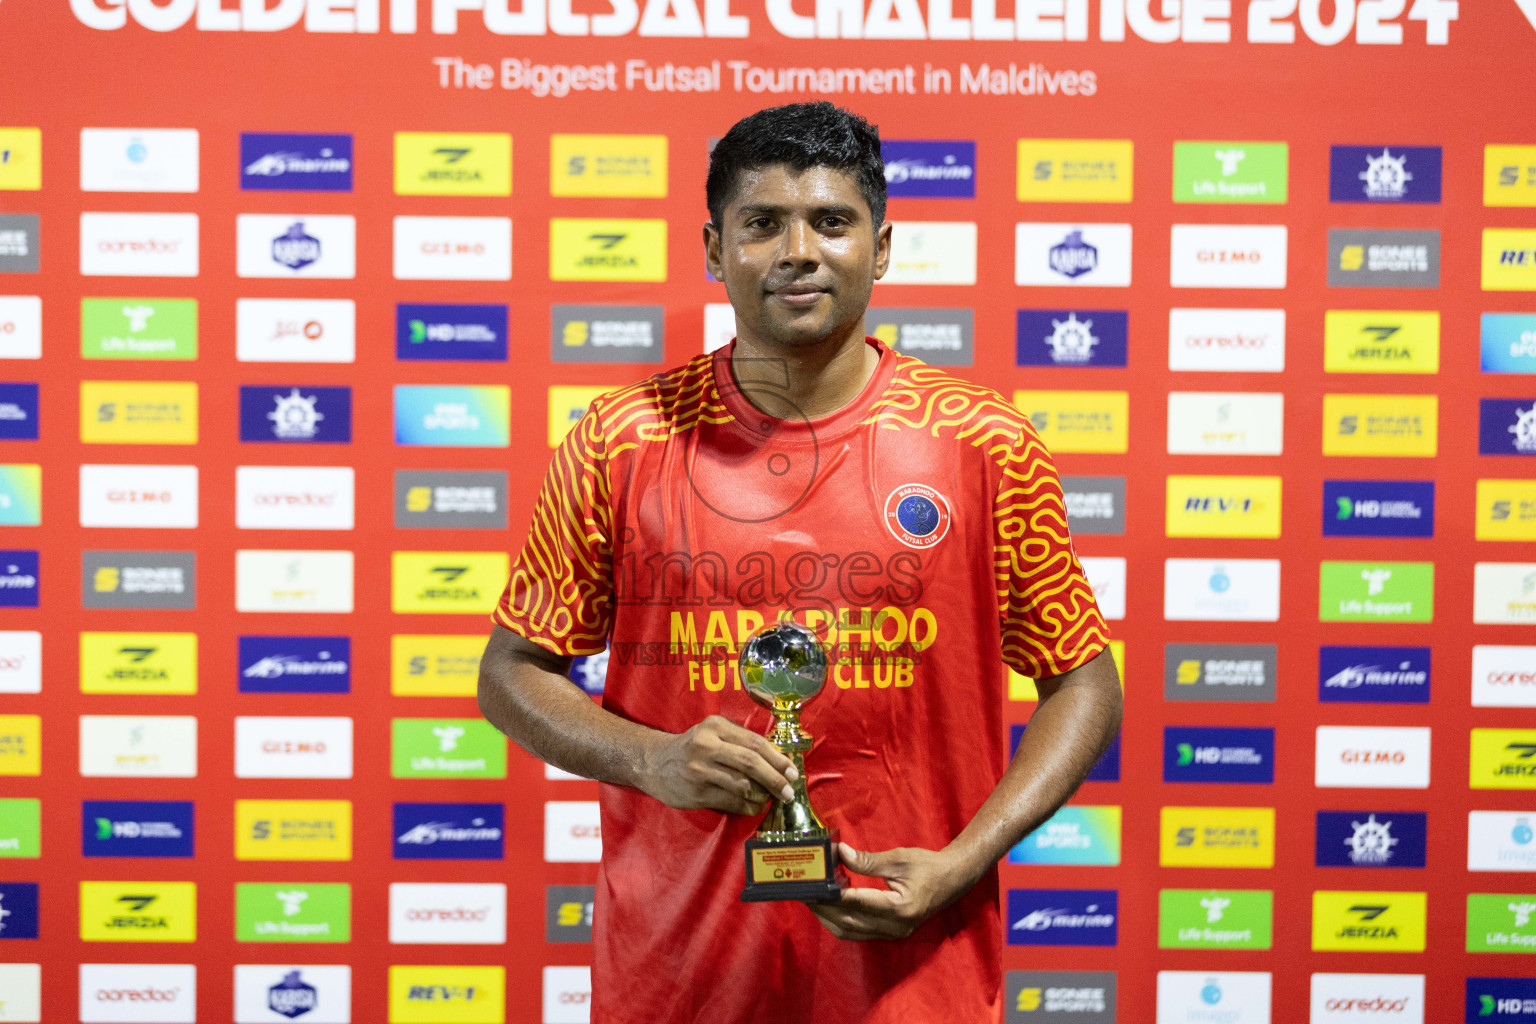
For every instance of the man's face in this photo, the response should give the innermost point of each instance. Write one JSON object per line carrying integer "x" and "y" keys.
{"x": 797, "y": 253}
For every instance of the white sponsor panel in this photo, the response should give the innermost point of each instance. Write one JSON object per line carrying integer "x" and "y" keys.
{"x": 1072, "y": 255}
{"x": 1226, "y": 340}
{"x": 1225, "y": 423}
{"x": 719, "y": 325}
{"x": 932, "y": 252}
{"x": 453, "y": 248}
{"x": 146, "y": 993}
{"x": 1503, "y": 676}
{"x": 1501, "y": 841}
{"x": 138, "y": 160}
{"x": 567, "y": 995}
{"x": 148, "y": 497}
{"x": 1228, "y": 256}
{"x": 21, "y": 663}
{"x": 1504, "y": 593}
{"x": 21, "y": 327}
{"x": 571, "y": 832}
{"x": 554, "y": 774}
{"x": 1107, "y": 578}
{"x": 22, "y": 989}
{"x": 1372, "y": 757}
{"x": 1351, "y": 998}
{"x": 293, "y": 581}
{"x": 448, "y": 913}
{"x": 1206, "y": 997}
{"x": 294, "y": 497}
{"x": 295, "y": 245}
{"x": 138, "y": 746}
{"x": 138, "y": 244}
{"x": 295, "y": 330}
{"x": 312, "y": 993}
{"x": 1221, "y": 590}
{"x": 273, "y": 747}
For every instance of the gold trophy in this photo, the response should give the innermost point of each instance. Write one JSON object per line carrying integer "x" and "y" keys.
{"x": 792, "y": 855}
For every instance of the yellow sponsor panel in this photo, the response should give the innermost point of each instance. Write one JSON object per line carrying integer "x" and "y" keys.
{"x": 1362, "y": 341}
{"x": 1368, "y": 922}
{"x": 138, "y": 911}
{"x": 567, "y": 405}
{"x": 1506, "y": 510}
{"x": 1503, "y": 759}
{"x": 447, "y": 995}
{"x": 1223, "y": 506}
{"x": 1217, "y": 837}
{"x": 293, "y": 830}
{"x": 1078, "y": 421}
{"x": 1391, "y": 425}
{"x": 598, "y": 249}
{"x": 1509, "y": 176}
{"x": 138, "y": 663}
{"x": 1509, "y": 260}
{"x": 453, "y": 164}
{"x": 138, "y": 412}
{"x": 21, "y": 741}
{"x": 21, "y": 159}
{"x": 632, "y": 166}
{"x": 430, "y": 665}
{"x": 448, "y": 582}
{"x": 1023, "y": 687}
{"x": 1075, "y": 170}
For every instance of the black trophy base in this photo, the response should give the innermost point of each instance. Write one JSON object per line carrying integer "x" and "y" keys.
{"x": 793, "y": 869}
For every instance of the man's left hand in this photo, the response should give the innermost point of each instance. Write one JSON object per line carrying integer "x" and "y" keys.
{"x": 920, "y": 883}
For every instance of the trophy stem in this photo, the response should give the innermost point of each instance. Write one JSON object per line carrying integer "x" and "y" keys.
{"x": 791, "y": 819}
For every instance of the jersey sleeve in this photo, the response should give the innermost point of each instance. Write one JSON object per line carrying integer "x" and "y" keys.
{"x": 1050, "y": 621}
{"x": 560, "y": 593}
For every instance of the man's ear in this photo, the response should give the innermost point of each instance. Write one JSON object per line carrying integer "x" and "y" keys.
{"x": 882, "y": 250}
{"x": 712, "y": 251}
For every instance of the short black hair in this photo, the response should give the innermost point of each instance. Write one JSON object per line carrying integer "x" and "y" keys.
{"x": 801, "y": 135}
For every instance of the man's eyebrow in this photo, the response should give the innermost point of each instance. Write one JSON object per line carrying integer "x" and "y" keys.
{"x": 844, "y": 210}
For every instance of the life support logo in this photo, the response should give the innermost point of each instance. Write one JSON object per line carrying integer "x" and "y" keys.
{"x": 917, "y": 515}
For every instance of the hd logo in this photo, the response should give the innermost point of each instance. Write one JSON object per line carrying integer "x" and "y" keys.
{"x": 590, "y": 249}
{"x": 448, "y": 582}
{"x": 1368, "y": 922}
{"x": 1503, "y": 759}
{"x": 1501, "y": 1000}
{"x": 121, "y": 828}
{"x": 453, "y": 164}
{"x": 138, "y": 911}
{"x": 138, "y": 663}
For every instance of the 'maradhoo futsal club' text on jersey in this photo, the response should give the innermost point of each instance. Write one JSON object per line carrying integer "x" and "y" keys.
{"x": 921, "y": 531}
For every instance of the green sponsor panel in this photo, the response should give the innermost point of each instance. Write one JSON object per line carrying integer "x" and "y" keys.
{"x": 447, "y": 748}
{"x": 1230, "y": 172}
{"x": 20, "y": 828}
{"x": 1501, "y": 923}
{"x": 1215, "y": 918}
{"x": 1376, "y": 592}
{"x": 138, "y": 328}
{"x": 293, "y": 912}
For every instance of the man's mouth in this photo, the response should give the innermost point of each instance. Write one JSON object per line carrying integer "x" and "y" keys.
{"x": 799, "y": 294}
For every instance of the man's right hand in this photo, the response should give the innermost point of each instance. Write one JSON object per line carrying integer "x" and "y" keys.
{"x": 719, "y": 765}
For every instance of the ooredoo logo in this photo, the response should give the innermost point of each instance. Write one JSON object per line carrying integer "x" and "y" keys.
{"x": 1348, "y": 998}
{"x": 447, "y": 913}
{"x": 144, "y": 993}
{"x": 139, "y": 244}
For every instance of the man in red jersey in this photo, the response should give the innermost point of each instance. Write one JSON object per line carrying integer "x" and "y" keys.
{"x": 913, "y": 519}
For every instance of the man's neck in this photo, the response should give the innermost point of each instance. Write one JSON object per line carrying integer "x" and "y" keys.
{"x": 816, "y": 379}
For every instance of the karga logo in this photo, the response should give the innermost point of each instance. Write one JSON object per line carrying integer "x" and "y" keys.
{"x": 292, "y": 997}
{"x": 1072, "y": 257}
{"x": 294, "y": 248}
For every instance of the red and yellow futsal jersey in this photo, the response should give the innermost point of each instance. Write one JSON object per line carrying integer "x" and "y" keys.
{"x": 922, "y": 531}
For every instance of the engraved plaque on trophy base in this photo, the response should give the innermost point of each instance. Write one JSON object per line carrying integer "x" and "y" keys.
{"x": 797, "y": 869}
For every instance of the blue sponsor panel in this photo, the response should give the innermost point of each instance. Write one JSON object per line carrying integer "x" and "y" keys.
{"x": 929, "y": 169}
{"x": 1196, "y": 754}
{"x": 1509, "y": 342}
{"x": 1373, "y": 675}
{"x": 295, "y": 664}
{"x": 295, "y": 162}
{"x": 449, "y": 831}
{"x": 590, "y": 672}
{"x": 1072, "y": 337}
{"x": 20, "y": 579}
{"x": 136, "y": 828}
{"x": 1384, "y": 174}
{"x": 1506, "y": 426}
{"x": 1105, "y": 769}
{"x": 18, "y": 412}
{"x": 1063, "y": 917}
{"x": 1371, "y": 839}
{"x": 18, "y": 910}
{"x": 1378, "y": 508}
{"x": 292, "y": 414}
{"x": 1501, "y": 1000}
{"x": 457, "y": 332}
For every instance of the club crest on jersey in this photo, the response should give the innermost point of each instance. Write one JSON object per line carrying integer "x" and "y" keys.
{"x": 917, "y": 515}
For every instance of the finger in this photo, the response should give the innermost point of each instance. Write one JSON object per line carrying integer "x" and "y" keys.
{"x": 751, "y": 764}
{"x": 829, "y": 925}
{"x": 726, "y": 791}
{"x": 886, "y": 864}
{"x": 873, "y": 903}
{"x": 760, "y": 745}
{"x": 858, "y": 926}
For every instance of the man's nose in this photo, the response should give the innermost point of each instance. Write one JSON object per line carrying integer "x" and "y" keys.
{"x": 800, "y": 244}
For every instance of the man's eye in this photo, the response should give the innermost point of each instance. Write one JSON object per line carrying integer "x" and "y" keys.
{"x": 834, "y": 222}
{"x": 759, "y": 223}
